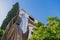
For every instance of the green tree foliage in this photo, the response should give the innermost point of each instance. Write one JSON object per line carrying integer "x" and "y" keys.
{"x": 13, "y": 12}
{"x": 1, "y": 32}
{"x": 49, "y": 32}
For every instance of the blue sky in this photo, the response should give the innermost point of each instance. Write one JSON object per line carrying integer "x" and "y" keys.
{"x": 40, "y": 9}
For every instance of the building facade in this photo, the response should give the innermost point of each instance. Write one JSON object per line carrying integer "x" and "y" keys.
{"x": 21, "y": 29}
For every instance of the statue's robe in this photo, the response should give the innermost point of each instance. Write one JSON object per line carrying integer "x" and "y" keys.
{"x": 14, "y": 32}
